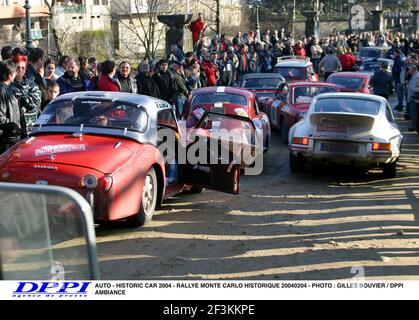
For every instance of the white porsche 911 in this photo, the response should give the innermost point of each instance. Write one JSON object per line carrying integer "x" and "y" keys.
{"x": 347, "y": 128}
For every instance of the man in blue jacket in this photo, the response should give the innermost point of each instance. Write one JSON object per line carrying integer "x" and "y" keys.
{"x": 396, "y": 71}
{"x": 72, "y": 80}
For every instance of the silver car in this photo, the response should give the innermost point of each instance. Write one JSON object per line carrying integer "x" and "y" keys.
{"x": 347, "y": 128}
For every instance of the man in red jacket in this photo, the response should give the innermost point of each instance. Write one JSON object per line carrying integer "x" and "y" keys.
{"x": 196, "y": 28}
{"x": 347, "y": 60}
{"x": 106, "y": 81}
{"x": 210, "y": 69}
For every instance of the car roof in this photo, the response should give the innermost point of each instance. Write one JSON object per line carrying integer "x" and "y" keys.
{"x": 263, "y": 76}
{"x": 293, "y": 63}
{"x": 240, "y": 91}
{"x": 311, "y": 83}
{"x": 150, "y": 103}
{"x": 350, "y": 75}
{"x": 352, "y": 95}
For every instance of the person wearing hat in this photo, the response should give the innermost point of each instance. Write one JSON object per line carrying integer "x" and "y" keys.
{"x": 382, "y": 81}
{"x": 165, "y": 81}
{"x": 181, "y": 92}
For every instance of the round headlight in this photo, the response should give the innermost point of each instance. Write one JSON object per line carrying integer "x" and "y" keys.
{"x": 90, "y": 181}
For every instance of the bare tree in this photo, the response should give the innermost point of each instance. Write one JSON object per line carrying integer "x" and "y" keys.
{"x": 214, "y": 7}
{"x": 51, "y": 4}
{"x": 139, "y": 18}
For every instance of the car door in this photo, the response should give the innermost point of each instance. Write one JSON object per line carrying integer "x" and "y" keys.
{"x": 217, "y": 148}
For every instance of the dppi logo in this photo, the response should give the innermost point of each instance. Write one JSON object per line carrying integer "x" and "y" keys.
{"x": 65, "y": 289}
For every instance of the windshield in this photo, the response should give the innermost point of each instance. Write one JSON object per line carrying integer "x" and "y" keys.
{"x": 306, "y": 94}
{"x": 346, "y": 82}
{"x": 348, "y": 105}
{"x": 262, "y": 83}
{"x": 219, "y": 97}
{"x": 374, "y": 66}
{"x": 370, "y": 53}
{"x": 290, "y": 73}
{"x": 94, "y": 113}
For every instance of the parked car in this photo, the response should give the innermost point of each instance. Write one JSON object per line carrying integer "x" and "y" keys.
{"x": 352, "y": 81}
{"x": 296, "y": 68}
{"x": 106, "y": 146}
{"x": 347, "y": 128}
{"x": 233, "y": 101}
{"x": 374, "y": 64}
{"x": 292, "y": 103}
{"x": 371, "y": 52}
{"x": 264, "y": 85}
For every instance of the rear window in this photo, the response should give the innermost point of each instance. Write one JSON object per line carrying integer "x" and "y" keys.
{"x": 261, "y": 83}
{"x": 306, "y": 94}
{"x": 347, "y": 105}
{"x": 290, "y": 73}
{"x": 346, "y": 82}
{"x": 219, "y": 97}
{"x": 370, "y": 53}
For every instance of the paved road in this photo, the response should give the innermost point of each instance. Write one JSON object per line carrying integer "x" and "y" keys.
{"x": 316, "y": 225}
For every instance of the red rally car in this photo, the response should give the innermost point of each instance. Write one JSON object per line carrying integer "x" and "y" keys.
{"x": 233, "y": 101}
{"x": 352, "y": 81}
{"x": 292, "y": 102}
{"x": 108, "y": 147}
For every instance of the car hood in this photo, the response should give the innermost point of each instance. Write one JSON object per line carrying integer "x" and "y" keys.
{"x": 101, "y": 153}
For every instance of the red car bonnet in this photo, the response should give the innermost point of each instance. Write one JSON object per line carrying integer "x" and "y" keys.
{"x": 96, "y": 152}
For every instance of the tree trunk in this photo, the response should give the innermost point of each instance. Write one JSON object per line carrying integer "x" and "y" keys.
{"x": 56, "y": 40}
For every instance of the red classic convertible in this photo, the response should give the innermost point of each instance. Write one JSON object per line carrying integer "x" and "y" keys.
{"x": 109, "y": 148}
{"x": 232, "y": 101}
{"x": 292, "y": 103}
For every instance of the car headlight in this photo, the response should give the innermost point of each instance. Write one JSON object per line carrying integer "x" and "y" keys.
{"x": 90, "y": 181}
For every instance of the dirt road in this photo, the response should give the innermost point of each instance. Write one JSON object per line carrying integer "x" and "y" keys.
{"x": 318, "y": 225}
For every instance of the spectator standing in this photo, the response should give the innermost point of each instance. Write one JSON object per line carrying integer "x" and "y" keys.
{"x": 28, "y": 94}
{"x": 72, "y": 81}
{"x": 6, "y": 53}
{"x": 413, "y": 107}
{"x": 35, "y": 70}
{"x": 347, "y": 60}
{"x": 106, "y": 80}
{"x": 382, "y": 81}
{"x": 396, "y": 71}
{"x": 165, "y": 81}
{"x": 211, "y": 70}
{"x": 196, "y": 28}
{"x": 123, "y": 76}
{"x": 53, "y": 91}
{"x": 146, "y": 84}
{"x": 49, "y": 71}
{"x": 181, "y": 89}
{"x": 9, "y": 107}
{"x": 62, "y": 66}
{"x": 316, "y": 54}
{"x": 330, "y": 64}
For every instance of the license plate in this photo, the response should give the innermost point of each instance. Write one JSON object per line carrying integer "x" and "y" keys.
{"x": 339, "y": 147}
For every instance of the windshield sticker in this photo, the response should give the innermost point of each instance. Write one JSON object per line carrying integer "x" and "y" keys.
{"x": 240, "y": 112}
{"x": 303, "y": 99}
{"x": 44, "y": 118}
{"x": 198, "y": 113}
{"x": 60, "y": 148}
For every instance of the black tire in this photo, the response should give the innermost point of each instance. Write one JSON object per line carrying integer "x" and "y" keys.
{"x": 148, "y": 201}
{"x": 284, "y": 132}
{"x": 297, "y": 163}
{"x": 196, "y": 190}
{"x": 390, "y": 169}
